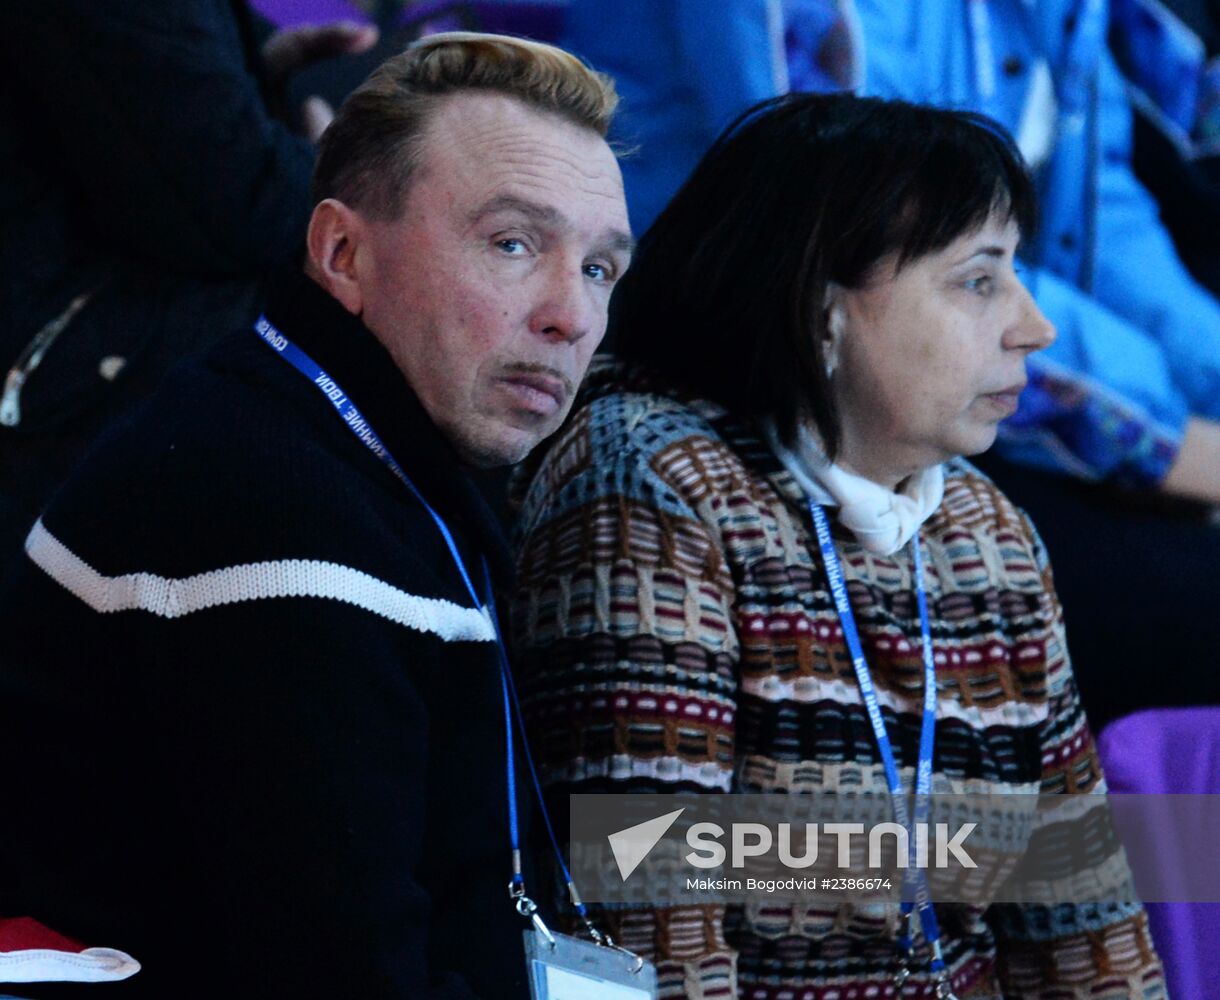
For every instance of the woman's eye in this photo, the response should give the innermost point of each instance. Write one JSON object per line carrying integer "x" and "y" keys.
{"x": 980, "y": 284}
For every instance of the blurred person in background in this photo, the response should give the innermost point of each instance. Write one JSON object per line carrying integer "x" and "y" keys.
{"x": 1169, "y": 53}
{"x": 1129, "y": 395}
{"x": 155, "y": 176}
{"x": 685, "y": 72}
{"x": 1115, "y": 447}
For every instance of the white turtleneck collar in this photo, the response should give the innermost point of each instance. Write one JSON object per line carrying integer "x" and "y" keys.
{"x": 882, "y": 521}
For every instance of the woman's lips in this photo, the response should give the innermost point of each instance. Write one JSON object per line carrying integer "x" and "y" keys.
{"x": 1007, "y": 400}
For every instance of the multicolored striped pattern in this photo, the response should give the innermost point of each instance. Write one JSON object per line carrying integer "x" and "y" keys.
{"x": 674, "y": 631}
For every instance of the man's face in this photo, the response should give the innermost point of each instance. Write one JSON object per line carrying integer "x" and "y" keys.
{"x": 490, "y": 289}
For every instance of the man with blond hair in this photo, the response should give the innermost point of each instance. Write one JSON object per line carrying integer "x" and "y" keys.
{"x": 250, "y": 692}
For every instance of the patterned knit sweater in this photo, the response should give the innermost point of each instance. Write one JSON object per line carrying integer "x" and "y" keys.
{"x": 667, "y": 552}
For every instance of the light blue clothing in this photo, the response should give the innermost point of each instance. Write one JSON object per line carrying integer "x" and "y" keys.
{"x": 1133, "y": 325}
{"x": 685, "y": 69}
{"x": 1139, "y": 341}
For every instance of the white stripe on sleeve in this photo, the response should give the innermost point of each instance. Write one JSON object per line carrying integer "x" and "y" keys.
{"x": 170, "y": 597}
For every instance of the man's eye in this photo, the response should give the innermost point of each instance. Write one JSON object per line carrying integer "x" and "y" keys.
{"x": 512, "y": 246}
{"x": 598, "y": 272}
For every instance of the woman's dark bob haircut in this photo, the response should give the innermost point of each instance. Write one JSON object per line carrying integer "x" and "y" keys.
{"x": 727, "y": 293}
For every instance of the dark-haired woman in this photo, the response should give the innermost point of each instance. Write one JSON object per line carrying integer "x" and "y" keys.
{"x": 820, "y": 324}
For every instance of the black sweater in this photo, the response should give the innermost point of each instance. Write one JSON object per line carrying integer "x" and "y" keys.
{"x": 256, "y": 791}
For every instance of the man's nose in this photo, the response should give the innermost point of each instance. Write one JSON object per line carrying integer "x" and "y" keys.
{"x": 567, "y": 307}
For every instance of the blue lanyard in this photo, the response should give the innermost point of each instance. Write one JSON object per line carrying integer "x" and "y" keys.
{"x": 364, "y": 433}
{"x": 914, "y": 878}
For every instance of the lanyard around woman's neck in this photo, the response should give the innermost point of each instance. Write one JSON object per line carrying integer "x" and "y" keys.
{"x": 915, "y": 896}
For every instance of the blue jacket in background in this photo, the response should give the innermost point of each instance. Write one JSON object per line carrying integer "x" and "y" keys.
{"x": 684, "y": 69}
{"x": 1139, "y": 340}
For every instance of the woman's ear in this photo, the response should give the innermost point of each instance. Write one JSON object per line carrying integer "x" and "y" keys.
{"x": 835, "y": 325}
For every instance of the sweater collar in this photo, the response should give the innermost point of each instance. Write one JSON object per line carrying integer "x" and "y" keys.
{"x": 351, "y": 355}
{"x": 882, "y": 520}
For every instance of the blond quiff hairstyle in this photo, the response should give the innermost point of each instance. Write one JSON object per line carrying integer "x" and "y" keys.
{"x": 369, "y": 152}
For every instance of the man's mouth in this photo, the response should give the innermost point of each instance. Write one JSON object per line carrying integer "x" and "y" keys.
{"x": 537, "y": 392}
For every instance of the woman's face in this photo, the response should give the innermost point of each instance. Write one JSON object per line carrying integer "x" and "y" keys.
{"x": 932, "y": 358}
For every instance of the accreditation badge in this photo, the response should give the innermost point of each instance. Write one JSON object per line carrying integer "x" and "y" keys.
{"x": 568, "y": 968}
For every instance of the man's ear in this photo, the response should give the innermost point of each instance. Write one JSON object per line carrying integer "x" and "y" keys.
{"x": 335, "y": 234}
{"x": 835, "y": 325}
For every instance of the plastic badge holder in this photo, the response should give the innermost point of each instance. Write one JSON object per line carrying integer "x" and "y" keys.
{"x": 572, "y": 969}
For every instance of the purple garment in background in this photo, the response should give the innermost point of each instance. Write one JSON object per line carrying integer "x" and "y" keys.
{"x": 542, "y": 20}
{"x": 290, "y": 13}
{"x": 1164, "y": 752}
{"x": 539, "y": 19}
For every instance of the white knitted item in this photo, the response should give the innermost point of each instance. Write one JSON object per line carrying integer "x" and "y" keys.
{"x": 46, "y": 965}
{"x": 170, "y": 597}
